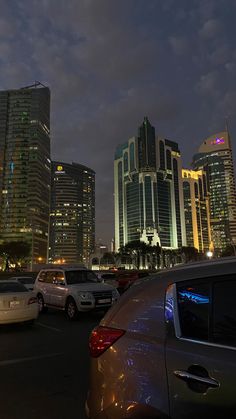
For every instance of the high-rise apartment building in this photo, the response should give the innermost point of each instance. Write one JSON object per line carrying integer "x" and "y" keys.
{"x": 25, "y": 167}
{"x": 148, "y": 191}
{"x": 215, "y": 157}
{"x": 72, "y": 215}
{"x": 196, "y": 210}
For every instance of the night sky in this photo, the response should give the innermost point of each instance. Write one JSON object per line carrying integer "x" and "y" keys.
{"x": 109, "y": 63}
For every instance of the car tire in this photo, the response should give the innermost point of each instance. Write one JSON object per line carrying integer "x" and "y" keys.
{"x": 42, "y": 308}
{"x": 71, "y": 309}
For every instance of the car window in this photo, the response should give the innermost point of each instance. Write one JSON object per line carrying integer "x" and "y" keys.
{"x": 224, "y": 312}
{"x": 42, "y": 276}
{"x": 207, "y": 310}
{"x": 11, "y": 287}
{"x": 50, "y": 275}
{"x": 193, "y": 305}
{"x": 59, "y": 277}
{"x": 79, "y": 277}
{"x": 91, "y": 276}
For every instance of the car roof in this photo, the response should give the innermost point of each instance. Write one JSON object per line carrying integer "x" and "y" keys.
{"x": 6, "y": 281}
{"x": 65, "y": 268}
{"x": 147, "y": 296}
{"x": 207, "y": 268}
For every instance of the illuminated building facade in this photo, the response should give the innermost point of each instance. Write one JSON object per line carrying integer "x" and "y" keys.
{"x": 148, "y": 191}
{"x": 25, "y": 167}
{"x": 72, "y": 217}
{"x": 196, "y": 210}
{"x": 215, "y": 157}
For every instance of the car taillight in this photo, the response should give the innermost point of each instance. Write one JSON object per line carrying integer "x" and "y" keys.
{"x": 102, "y": 338}
{"x": 32, "y": 300}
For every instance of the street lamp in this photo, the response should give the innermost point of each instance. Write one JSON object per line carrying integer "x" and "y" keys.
{"x": 209, "y": 254}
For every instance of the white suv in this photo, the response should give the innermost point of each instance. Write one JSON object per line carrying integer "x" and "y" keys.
{"x": 73, "y": 290}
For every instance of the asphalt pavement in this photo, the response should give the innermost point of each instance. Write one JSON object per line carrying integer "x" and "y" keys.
{"x": 44, "y": 369}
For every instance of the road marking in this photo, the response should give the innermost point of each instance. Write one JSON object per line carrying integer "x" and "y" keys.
{"x": 49, "y": 327}
{"x": 31, "y": 358}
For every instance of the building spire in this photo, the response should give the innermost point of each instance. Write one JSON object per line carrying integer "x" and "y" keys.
{"x": 227, "y": 124}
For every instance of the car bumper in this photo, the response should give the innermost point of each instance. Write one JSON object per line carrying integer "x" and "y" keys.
{"x": 19, "y": 315}
{"x": 92, "y": 305}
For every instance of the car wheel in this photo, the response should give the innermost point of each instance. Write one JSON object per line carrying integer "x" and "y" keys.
{"x": 42, "y": 308}
{"x": 71, "y": 309}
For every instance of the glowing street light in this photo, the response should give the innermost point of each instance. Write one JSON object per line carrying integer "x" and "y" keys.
{"x": 209, "y": 254}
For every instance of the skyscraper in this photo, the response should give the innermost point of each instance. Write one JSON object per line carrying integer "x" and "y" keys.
{"x": 196, "y": 210}
{"x": 72, "y": 217}
{"x": 148, "y": 191}
{"x": 215, "y": 157}
{"x": 25, "y": 167}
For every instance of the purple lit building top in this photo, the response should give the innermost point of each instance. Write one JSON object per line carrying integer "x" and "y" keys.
{"x": 217, "y": 141}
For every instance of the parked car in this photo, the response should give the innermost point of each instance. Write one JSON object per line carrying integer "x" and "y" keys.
{"x": 122, "y": 279}
{"x": 17, "y": 304}
{"x": 27, "y": 281}
{"x": 167, "y": 349}
{"x": 73, "y": 290}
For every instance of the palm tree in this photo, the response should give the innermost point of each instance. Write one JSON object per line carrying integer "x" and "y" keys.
{"x": 189, "y": 253}
{"x": 15, "y": 251}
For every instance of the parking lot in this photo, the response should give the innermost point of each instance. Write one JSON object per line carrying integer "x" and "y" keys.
{"x": 45, "y": 368}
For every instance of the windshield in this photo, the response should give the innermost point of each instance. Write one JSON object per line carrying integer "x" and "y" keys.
{"x": 80, "y": 277}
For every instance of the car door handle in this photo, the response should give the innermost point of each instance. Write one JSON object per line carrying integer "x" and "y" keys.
{"x": 188, "y": 377}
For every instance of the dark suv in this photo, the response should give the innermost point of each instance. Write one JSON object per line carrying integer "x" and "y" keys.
{"x": 167, "y": 349}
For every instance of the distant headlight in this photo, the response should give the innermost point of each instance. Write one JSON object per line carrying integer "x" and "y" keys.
{"x": 85, "y": 295}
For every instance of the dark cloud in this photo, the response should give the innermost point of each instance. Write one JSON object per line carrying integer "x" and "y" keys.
{"x": 179, "y": 45}
{"x": 109, "y": 63}
{"x": 210, "y": 29}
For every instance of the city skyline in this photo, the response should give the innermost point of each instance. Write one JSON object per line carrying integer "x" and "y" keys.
{"x": 110, "y": 63}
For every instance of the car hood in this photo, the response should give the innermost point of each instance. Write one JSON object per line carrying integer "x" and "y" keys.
{"x": 92, "y": 287}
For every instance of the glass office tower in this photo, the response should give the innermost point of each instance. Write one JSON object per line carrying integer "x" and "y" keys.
{"x": 72, "y": 217}
{"x": 25, "y": 167}
{"x": 196, "y": 210}
{"x": 148, "y": 191}
{"x": 215, "y": 157}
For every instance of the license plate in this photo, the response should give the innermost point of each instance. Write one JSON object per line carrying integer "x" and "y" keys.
{"x": 104, "y": 301}
{"x": 14, "y": 304}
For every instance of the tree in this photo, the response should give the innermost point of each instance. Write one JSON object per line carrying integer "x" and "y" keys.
{"x": 140, "y": 253}
{"x": 189, "y": 253}
{"x": 15, "y": 252}
{"x": 107, "y": 259}
{"x": 229, "y": 251}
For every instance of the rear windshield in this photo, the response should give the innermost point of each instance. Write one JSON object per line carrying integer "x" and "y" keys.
{"x": 8, "y": 287}
{"x": 80, "y": 277}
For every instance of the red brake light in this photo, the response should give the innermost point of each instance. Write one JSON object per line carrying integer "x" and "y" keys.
{"x": 32, "y": 300}
{"x": 102, "y": 338}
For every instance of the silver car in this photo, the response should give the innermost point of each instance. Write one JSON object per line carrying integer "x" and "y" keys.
{"x": 167, "y": 349}
{"x": 73, "y": 290}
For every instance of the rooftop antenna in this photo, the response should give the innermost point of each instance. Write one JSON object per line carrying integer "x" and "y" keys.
{"x": 227, "y": 124}
{"x": 36, "y": 84}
